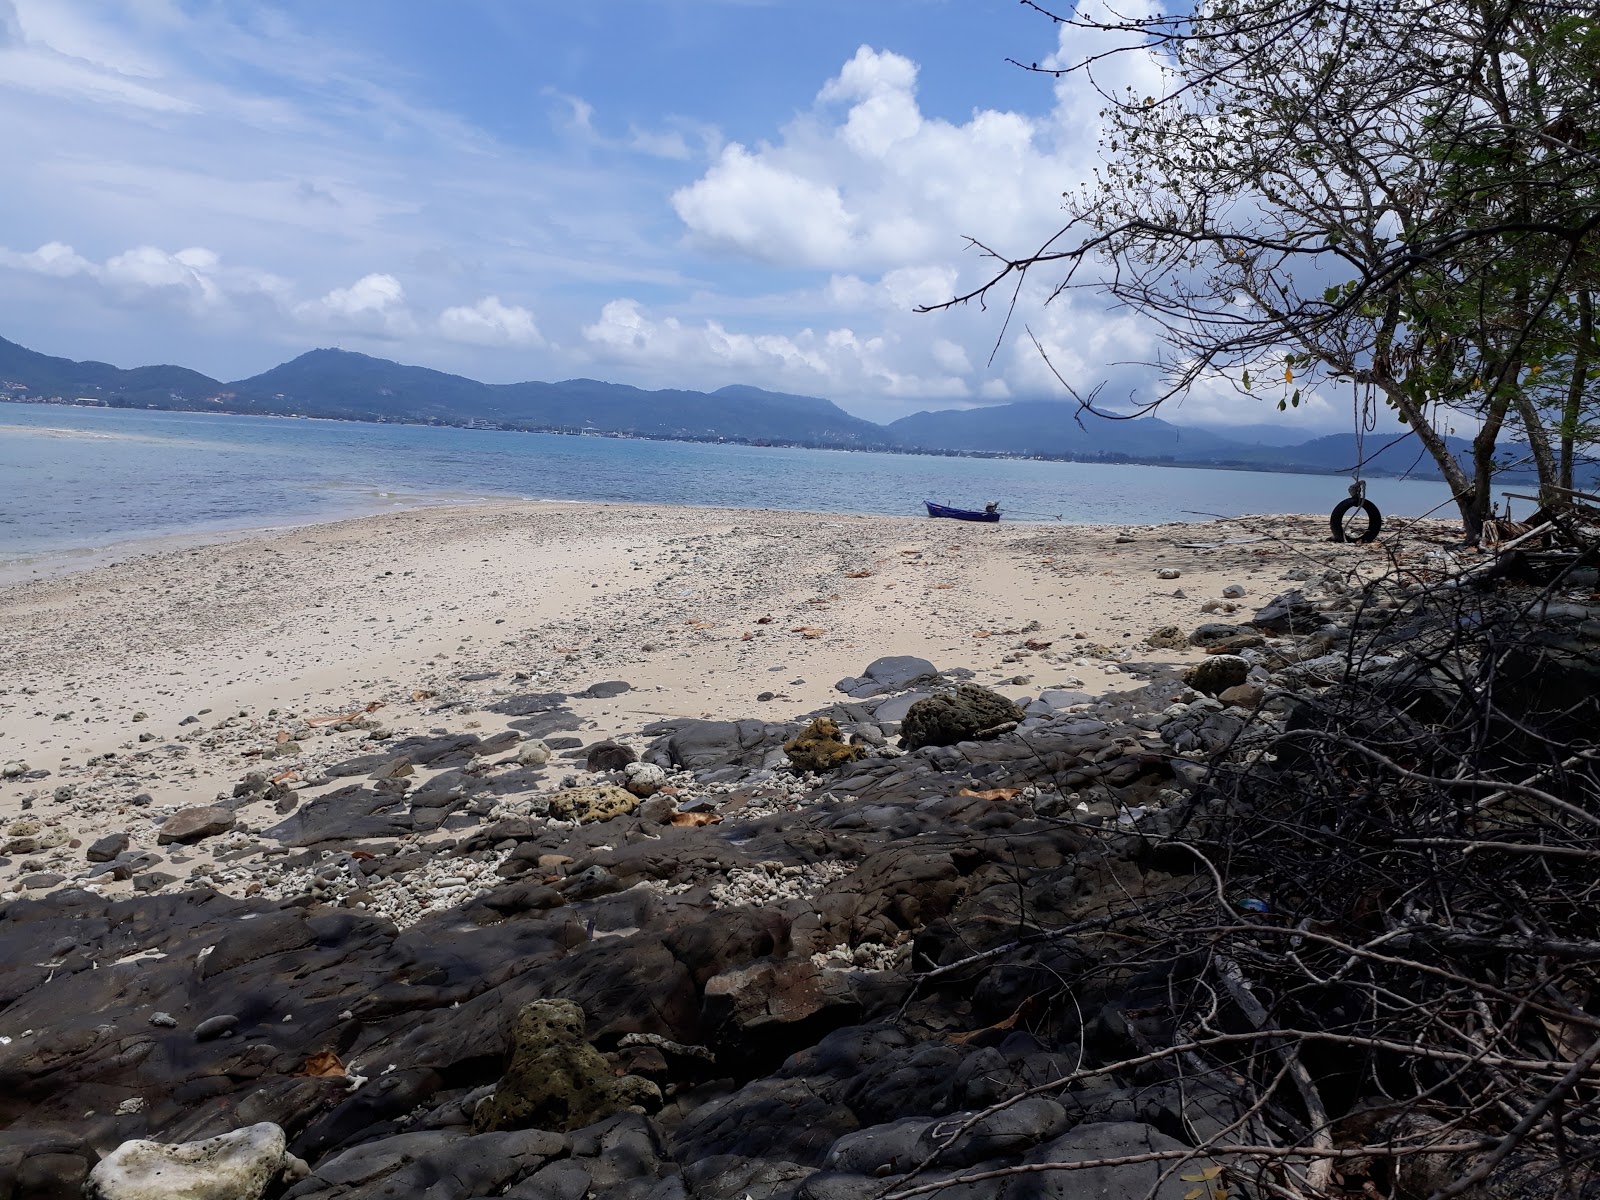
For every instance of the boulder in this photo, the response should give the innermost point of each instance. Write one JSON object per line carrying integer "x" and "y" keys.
{"x": 820, "y": 747}
{"x": 609, "y": 756}
{"x": 1289, "y": 613}
{"x": 107, "y": 848}
{"x": 556, "y": 1080}
{"x": 234, "y": 1166}
{"x": 588, "y": 804}
{"x": 195, "y": 824}
{"x": 957, "y": 716}
{"x": 1217, "y": 674}
{"x": 533, "y": 753}
{"x": 644, "y": 779}
{"x": 707, "y": 745}
{"x": 1242, "y": 695}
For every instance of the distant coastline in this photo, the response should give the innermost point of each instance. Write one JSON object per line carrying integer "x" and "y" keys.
{"x": 1117, "y": 458}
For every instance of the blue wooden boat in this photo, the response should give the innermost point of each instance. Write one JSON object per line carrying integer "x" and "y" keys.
{"x": 990, "y": 514}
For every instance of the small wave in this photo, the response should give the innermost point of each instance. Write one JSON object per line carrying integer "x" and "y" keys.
{"x": 101, "y": 435}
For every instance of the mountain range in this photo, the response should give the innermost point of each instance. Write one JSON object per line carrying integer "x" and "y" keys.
{"x": 343, "y": 385}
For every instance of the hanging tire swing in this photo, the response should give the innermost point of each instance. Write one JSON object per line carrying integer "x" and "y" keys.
{"x": 1356, "y": 531}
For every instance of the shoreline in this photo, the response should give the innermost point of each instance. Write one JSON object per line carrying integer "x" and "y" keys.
{"x": 170, "y": 675}
{"x": 53, "y": 564}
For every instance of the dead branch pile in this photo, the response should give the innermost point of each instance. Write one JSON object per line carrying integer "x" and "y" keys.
{"x": 1383, "y": 979}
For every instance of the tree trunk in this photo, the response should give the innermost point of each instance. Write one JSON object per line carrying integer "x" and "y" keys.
{"x": 1483, "y": 446}
{"x": 1471, "y": 495}
{"x": 1572, "y": 411}
{"x": 1544, "y": 455}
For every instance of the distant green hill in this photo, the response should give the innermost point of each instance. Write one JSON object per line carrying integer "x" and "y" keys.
{"x": 349, "y": 386}
{"x": 164, "y": 387}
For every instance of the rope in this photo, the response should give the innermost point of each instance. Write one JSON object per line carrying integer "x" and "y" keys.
{"x": 1364, "y": 413}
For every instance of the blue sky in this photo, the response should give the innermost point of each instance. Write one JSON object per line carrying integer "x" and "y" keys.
{"x": 672, "y": 193}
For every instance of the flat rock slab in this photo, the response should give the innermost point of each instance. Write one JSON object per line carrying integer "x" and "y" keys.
{"x": 349, "y": 814}
{"x": 545, "y": 723}
{"x": 194, "y": 824}
{"x": 527, "y": 704}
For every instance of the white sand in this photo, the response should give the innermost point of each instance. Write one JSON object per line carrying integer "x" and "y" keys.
{"x": 332, "y": 618}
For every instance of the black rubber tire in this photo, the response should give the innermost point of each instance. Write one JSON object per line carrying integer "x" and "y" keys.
{"x": 1343, "y": 509}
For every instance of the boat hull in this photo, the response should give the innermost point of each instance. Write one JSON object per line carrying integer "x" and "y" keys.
{"x": 960, "y": 514}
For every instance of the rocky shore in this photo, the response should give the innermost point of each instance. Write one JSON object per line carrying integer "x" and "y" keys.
{"x": 523, "y": 922}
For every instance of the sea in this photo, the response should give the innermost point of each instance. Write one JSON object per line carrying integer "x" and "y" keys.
{"x": 75, "y": 479}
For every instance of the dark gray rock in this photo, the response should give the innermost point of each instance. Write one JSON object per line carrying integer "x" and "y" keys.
{"x": 546, "y": 723}
{"x": 221, "y": 1025}
{"x": 426, "y": 751}
{"x": 195, "y": 824}
{"x": 107, "y": 848}
{"x": 363, "y": 764}
{"x": 892, "y": 673}
{"x": 958, "y": 716}
{"x": 1091, "y": 1143}
{"x": 735, "y": 1177}
{"x": 607, "y": 689}
{"x": 527, "y": 704}
{"x": 705, "y": 745}
{"x": 1217, "y": 673}
{"x": 894, "y": 709}
{"x": 609, "y": 756}
{"x": 1009, "y": 1131}
{"x": 896, "y": 1147}
{"x": 1289, "y": 613}
{"x": 435, "y": 1165}
{"x": 350, "y": 814}
{"x": 1213, "y": 632}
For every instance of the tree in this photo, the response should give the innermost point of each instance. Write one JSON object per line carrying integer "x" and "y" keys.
{"x": 1400, "y": 198}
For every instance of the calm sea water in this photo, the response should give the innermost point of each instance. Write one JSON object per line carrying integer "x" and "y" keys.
{"x": 83, "y": 478}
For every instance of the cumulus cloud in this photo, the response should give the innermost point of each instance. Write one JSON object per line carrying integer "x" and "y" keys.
{"x": 374, "y": 304}
{"x": 838, "y": 361}
{"x": 197, "y": 280}
{"x": 194, "y": 279}
{"x": 52, "y": 258}
{"x": 490, "y": 322}
{"x": 881, "y": 183}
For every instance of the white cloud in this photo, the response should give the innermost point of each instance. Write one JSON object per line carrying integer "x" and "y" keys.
{"x": 767, "y": 211}
{"x": 838, "y": 361}
{"x": 490, "y": 322}
{"x": 194, "y": 279}
{"x": 373, "y": 304}
{"x": 52, "y": 258}
{"x": 886, "y": 185}
{"x": 186, "y": 276}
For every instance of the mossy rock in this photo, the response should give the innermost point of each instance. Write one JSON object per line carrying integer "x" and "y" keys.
{"x": 821, "y": 747}
{"x": 958, "y": 716}
{"x": 556, "y": 1080}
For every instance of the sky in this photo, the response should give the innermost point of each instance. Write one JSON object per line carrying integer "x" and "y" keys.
{"x": 669, "y": 193}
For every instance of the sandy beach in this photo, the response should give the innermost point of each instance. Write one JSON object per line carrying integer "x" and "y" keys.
{"x": 170, "y": 675}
